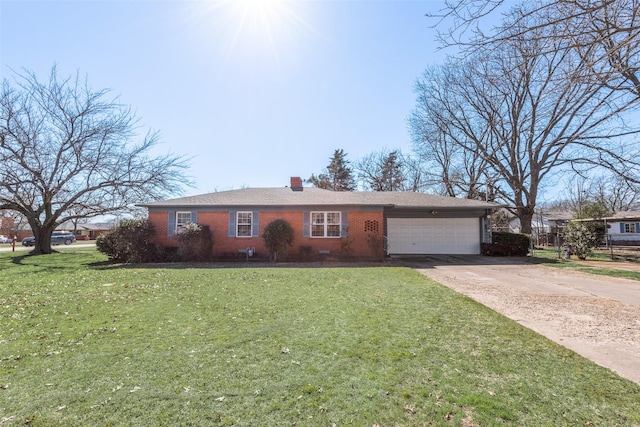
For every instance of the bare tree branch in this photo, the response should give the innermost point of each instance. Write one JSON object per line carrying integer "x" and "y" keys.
{"x": 68, "y": 152}
{"x": 526, "y": 111}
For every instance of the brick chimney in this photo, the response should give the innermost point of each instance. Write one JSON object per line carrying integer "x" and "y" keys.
{"x": 296, "y": 183}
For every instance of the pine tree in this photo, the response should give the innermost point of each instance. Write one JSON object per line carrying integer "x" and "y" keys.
{"x": 337, "y": 176}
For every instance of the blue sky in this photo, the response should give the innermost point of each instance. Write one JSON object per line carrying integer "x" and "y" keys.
{"x": 253, "y": 91}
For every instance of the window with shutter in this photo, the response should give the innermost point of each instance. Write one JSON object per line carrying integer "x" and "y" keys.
{"x": 326, "y": 224}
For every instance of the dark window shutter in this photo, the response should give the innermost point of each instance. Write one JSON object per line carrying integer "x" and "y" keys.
{"x": 344, "y": 224}
{"x": 194, "y": 216}
{"x": 637, "y": 227}
{"x": 306, "y": 224}
{"x": 255, "y": 224}
{"x": 232, "y": 223}
{"x": 171, "y": 223}
{"x": 622, "y": 227}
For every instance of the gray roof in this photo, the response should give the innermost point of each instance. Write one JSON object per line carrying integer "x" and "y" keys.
{"x": 284, "y": 196}
{"x": 557, "y": 216}
{"x": 622, "y": 215}
{"x": 89, "y": 226}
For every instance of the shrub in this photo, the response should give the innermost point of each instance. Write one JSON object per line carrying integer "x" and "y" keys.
{"x": 506, "y": 244}
{"x": 376, "y": 244}
{"x": 130, "y": 242}
{"x": 277, "y": 236}
{"x": 500, "y": 249}
{"x": 195, "y": 243}
{"x": 583, "y": 237}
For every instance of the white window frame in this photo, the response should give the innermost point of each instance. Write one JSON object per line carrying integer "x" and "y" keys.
{"x": 630, "y": 227}
{"x": 182, "y": 222}
{"x": 247, "y": 220}
{"x": 325, "y": 222}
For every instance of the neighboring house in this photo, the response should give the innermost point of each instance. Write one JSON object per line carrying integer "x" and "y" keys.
{"x": 87, "y": 230}
{"x": 17, "y": 230}
{"x": 328, "y": 222}
{"x": 84, "y": 231}
{"x": 623, "y": 228}
{"x": 543, "y": 222}
{"x": 546, "y": 227}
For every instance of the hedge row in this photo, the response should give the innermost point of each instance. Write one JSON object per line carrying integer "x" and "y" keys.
{"x": 132, "y": 242}
{"x": 506, "y": 244}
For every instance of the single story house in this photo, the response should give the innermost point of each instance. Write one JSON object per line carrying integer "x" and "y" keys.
{"x": 87, "y": 230}
{"x": 330, "y": 222}
{"x": 542, "y": 222}
{"x": 623, "y": 228}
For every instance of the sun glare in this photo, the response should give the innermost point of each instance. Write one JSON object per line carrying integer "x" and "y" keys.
{"x": 256, "y": 27}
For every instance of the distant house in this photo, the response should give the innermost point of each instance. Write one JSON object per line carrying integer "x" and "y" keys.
{"x": 82, "y": 231}
{"x": 329, "y": 222}
{"x": 88, "y": 230}
{"x": 14, "y": 227}
{"x": 545, "y": 226}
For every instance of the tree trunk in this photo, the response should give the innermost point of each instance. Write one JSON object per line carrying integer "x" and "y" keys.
{"x": 43, "y": 241}
{"x": 525, "y": 214}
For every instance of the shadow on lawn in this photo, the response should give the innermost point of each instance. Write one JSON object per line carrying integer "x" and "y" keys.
{"x": 45, "y": 263}
{"x": 411, "y": 261}
{"x": 432, "y": 261}
{"x": 227, "y": 264}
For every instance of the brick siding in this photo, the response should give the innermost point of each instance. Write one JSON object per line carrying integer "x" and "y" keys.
{"x": 364, "y": 227}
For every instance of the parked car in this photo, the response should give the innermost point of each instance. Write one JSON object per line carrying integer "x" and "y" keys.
{"x": 28, "y": 241}
{"x": 57, "y": 238}
{"x": 5, "y": 239}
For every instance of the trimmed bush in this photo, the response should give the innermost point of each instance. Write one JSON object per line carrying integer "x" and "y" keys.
{"x": 195, "y": 243}
{"x": 129, "y": 242}
{"x": 277, "y": 236}
{"x": 506, "y": 244}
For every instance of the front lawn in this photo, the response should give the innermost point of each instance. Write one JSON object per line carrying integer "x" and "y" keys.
{"x": 84, "y": 343}
{"x": 550, "y": 258}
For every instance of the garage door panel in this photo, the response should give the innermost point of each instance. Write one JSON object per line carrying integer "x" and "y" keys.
{"x": 433, "y": 235}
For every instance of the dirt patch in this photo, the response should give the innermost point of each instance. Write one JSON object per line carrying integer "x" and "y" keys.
{"x": 595, "y": 316}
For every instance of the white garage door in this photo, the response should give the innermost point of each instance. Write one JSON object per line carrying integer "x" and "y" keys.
{"x": 433, "y": 235}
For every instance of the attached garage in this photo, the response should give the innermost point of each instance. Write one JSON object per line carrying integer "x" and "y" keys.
{"x": 433, "y": 235}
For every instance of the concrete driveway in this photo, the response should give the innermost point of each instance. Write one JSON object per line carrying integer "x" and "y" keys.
{"x": 595, "y": 316}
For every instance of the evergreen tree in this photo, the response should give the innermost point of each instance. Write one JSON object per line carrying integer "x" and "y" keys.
{"x": 337, "y": 176}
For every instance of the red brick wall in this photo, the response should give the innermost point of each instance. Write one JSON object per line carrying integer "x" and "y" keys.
{"x": 160, "y": 221}
{"x": 361, "y": 226}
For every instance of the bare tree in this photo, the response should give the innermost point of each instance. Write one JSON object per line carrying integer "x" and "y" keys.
{"x": 605, "y": 34}
{"x": 69, "y": 152}
{"x": 382, "y": 170}
{"x": 617, "y": 193}
{"x": 527, "y": 111}
{"x": 461, "y": 22}
{"x": 610, "y": 190}
{"x": 453, "y": 170}
{"x": 415, "y": 175}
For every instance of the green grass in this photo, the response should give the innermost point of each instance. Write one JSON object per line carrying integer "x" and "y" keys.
{"x": 85, "y": 343}
{"x": 549, "y": 257}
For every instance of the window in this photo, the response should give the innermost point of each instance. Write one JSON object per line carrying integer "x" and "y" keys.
{"x": 243, "y": 224}
{"x": 325, "y": 224}
{"x": 182, "y": 219}
{"x": 630, "y": 227}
